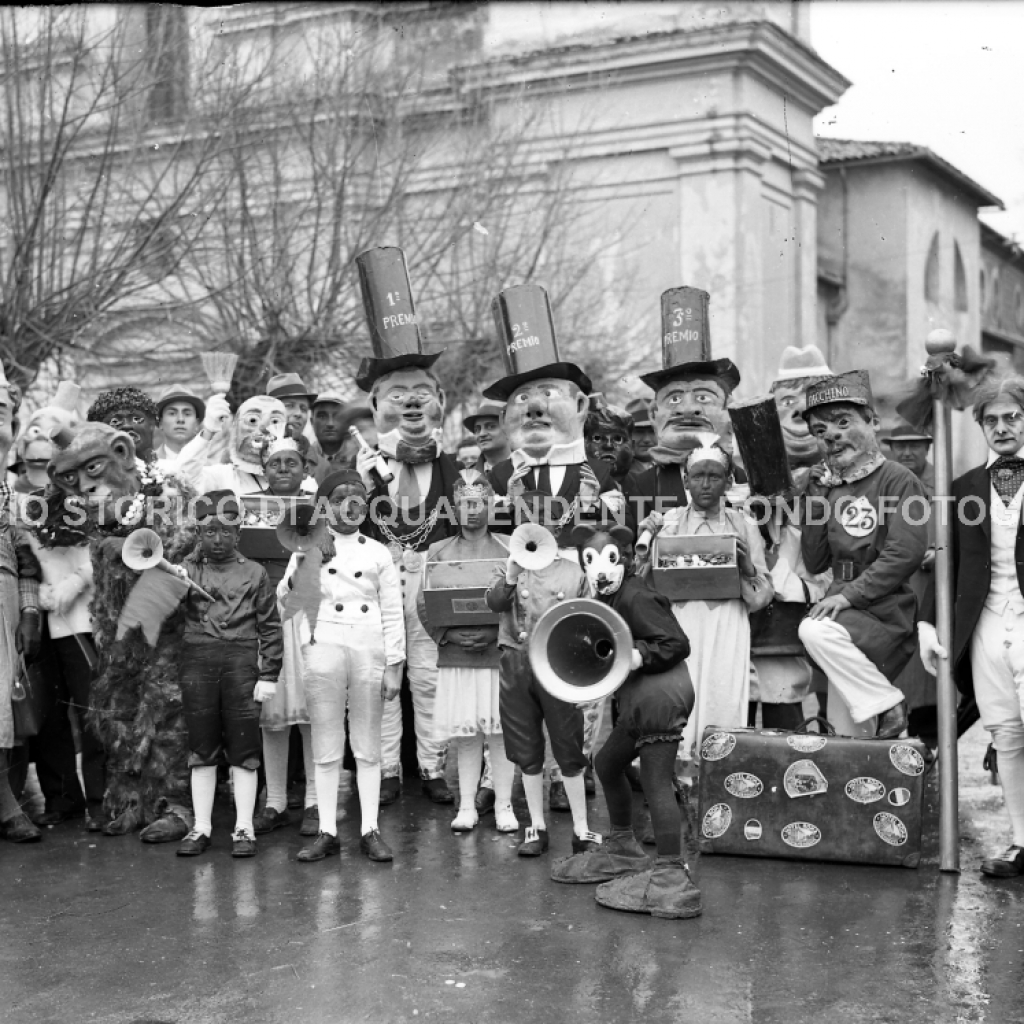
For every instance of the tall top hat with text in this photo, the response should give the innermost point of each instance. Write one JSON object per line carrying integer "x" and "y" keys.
{"x": 529, "y": 351}
{"x": 686, "y": 343}
{"x": 395, "y": 334}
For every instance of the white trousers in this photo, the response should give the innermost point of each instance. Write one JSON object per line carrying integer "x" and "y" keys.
{"x": 851, "y": 674}
{"x": 421, "y": 670}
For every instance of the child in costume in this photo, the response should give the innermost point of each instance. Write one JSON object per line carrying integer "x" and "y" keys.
{"x": 653, "y": 704}
{"x": 284, "y": 466}
{"x": 719, "y": 631}
{"x": 231, "y": 660}
{"x": 353, "y": 649}
{"x": 466, "y": 703}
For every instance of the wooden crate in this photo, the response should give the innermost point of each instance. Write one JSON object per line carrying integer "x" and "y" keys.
{"x": 453, "y": 592}
{"x": 696, "y": 583}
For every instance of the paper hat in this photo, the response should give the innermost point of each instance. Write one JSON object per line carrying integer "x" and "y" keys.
{"x": 686, "y": 342}
{"x": 176, "y": 394}
{"x": 529, "y": 350}
{"x": 391, "y": 316}
{"x": 853, "y": 387}
{"x": 289, "y": 385}
{"x": 903, "y": 431}
{"x": 486, "y": 408}
{"x": 807, "y": 364}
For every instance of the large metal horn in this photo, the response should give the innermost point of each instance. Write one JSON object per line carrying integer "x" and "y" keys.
{"x": 580, "y": 650}
{"x": 532, "y": 547}
{"x": 143, "y": 549}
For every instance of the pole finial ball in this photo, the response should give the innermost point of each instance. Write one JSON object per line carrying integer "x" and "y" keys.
{"x": 940, "y": 342}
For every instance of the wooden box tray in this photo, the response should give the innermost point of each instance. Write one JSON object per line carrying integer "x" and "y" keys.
{"x": 453, "y": 592}
{"x": 696, "y": 582}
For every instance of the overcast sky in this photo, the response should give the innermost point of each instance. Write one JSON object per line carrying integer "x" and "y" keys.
{"x": 947, "y": 74}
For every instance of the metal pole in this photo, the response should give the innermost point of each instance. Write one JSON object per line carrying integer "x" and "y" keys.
{"x": 942, "y": 343}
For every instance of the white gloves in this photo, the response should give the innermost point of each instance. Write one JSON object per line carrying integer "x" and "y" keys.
{"x": 265, "y": 690}
{"x": 366, "y": 459}
{"x": 636, "y": 660}
{"x": 512, "y": 571}
{"x": 218, "y": 412}
{"x": 930, "y": 648}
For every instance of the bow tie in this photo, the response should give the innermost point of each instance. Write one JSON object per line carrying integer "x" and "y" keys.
{"x": 1007, "y": 475}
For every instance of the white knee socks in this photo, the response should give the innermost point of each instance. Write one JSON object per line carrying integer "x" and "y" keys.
{"x": 576, "y": 791}
{"x": 327, "y": 776}
{"x": 204, "y": 788}
{"x": 275, "y": 764}
{"x": 470, "y": 751}
{"x": 368, "y": 785}
{"x": 245, "y": 783}
{"x": 534, "y": 786}
{"x": 308, "y": 766}
{"x": 502, "y": 770}
{"x": 1011, "y": 778}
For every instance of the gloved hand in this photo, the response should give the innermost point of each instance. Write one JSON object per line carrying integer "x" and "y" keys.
{"x": 636, "y": 660}
{"x": 930, "y": 648}
{"x": 29, "y": 635}
{"x": 513, "y": 571}
{"x": 366, "y": 460}
{"x": 218, "y": 412}
{"x": 265, "y": 690}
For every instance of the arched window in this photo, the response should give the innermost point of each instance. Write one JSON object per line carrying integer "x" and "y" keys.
{"x": 932, "y": 274}
{"x": 959, "y": 281}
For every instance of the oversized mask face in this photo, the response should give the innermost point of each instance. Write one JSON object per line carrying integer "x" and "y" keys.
{"x": 802, "y": 446}
{"x": 138, "y": 425}
{"x": 609, "y": 438}
{"x": 543, "y": 413}
{"x": 850, "y": 440}
{"x": 684, "y": 409}
{"x": 259, "y": 419}
{"x": 104, "y": 467}
{"x": 410, "y": 402}
{"x": 604, "y": 557}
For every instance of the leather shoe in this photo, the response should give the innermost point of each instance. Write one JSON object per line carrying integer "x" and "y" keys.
{"x": 168, "y": 828}
{"x": 268, "y": 819}
{"x": 20, "y": 829}
{"x": 892, "y": 723}
{"x": 390, "y": 790}
{"x": 325, "y": 845}
{"x": 1007, "y": 865}
{"x": 484, "y": 801}
{"x": 535, "y": 842}
{"x": 437, "y": 791}
{"x": 50, "y": 818}
{"x": 310, "y": 822}
{"x": 243, "y": 844}
{"x": 375, "y": 848}
{"x": 193, "y": 844}
{"x": 586, "y": 842}
{"x": 558, "y": 799}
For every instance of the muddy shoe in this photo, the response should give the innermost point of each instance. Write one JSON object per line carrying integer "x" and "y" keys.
{"x": 167, "y": 829}
{"x": 892, "y": 723}
{"x": 558, "y": 799}
{"x": 268, "y": 819}
{"x": 619, "y": 855}
{"x": 127, "y": 821}
{"x": 390, "y": 790}
{"x": 325, "y": 845}
{"x": 1007, "y": 865}
{"x": 484, "y": 801}
{"x": 437, "y": 791}
{"x": 666, "y": 890}
{"x": 534, "y": 844}
{"x": 194, "y": 844}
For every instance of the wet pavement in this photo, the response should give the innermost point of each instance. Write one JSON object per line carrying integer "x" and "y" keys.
{"x": 461, "y": 930}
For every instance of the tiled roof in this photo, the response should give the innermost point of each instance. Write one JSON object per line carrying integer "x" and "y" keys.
{"x": 860, "y": 151}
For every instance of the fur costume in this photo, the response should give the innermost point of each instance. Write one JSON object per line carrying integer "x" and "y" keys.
{"x": 136, "y": 701}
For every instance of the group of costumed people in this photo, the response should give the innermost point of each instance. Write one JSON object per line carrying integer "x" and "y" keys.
{"x": 217, "y": 654}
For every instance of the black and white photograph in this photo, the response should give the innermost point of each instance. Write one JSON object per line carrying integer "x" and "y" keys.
{"x": 512, "y": 512}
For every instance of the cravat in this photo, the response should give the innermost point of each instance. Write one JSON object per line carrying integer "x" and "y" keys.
{"x": 408, "y": 486}
{"x": 1007, "y": 475}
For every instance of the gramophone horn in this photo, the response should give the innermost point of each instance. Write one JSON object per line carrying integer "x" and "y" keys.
{"x": 301, "y": 529}
{"x": 142, "y": 550}
{"x": 532, "y": 547}
{"x": 580, "y": 650}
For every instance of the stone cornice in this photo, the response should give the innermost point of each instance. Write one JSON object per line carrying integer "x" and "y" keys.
{"x": 760, "y": 46}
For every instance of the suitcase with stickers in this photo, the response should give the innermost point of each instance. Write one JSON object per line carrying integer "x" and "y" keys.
{"x": 811, "y": 796}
